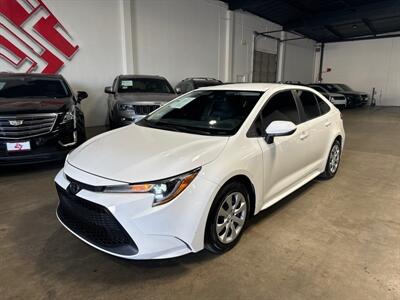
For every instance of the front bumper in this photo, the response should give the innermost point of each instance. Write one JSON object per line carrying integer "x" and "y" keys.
{"x": 38, "y": 154}
{"x": 165, "y": 231}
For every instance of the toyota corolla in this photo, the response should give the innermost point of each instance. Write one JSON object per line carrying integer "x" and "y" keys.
{"x": 191, "y": 174}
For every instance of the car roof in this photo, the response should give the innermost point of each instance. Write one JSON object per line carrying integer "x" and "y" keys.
{"x": 256, "y": 87}
{"x": 201, "y": 79}
{"x": 142, "y": 76}
{"x": 32, "y": 75}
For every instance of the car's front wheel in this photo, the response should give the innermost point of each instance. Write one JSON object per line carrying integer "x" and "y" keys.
{"x": 228, "y": 217}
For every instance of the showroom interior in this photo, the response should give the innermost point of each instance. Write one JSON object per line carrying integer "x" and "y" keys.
{"x": 324, "y": 239}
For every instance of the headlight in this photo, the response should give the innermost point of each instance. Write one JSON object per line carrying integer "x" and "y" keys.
{"x": 126, "y": 107}
{"x": 163, "y": 190}
{"x": 69, "y": 115}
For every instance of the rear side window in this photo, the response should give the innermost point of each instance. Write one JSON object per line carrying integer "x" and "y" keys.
{"x": 281, "y": 107}
{"x": 309, "y": 103}
{"x": 323, "y": 106}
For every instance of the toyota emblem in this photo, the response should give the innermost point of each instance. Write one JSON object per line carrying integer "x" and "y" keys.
{"x": 74, "y": 188}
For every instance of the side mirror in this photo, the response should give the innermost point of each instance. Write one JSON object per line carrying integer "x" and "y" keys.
{"x": 178, "y": 90}
{"x": 109, "y": 90}
{"x": 80, "y": 95}
{"x": 279, "y": 128}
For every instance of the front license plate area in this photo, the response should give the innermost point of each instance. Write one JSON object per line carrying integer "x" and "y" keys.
{"x": 18, "y": 146}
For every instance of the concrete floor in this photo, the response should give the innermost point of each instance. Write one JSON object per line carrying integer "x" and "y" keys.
{"x": 337, "y": 239}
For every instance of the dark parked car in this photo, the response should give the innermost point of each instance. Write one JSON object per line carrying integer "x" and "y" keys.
{"x": 131, "y": 97}
{"x": 190, "y": 84}
{"x": 336, "y": 98}
{"x": 353, "y": 98}
{"x": 40, "y": 118}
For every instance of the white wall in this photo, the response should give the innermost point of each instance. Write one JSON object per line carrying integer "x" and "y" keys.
{"x": 366, "y": 64}
{"x": 244, "y": 26}
{"x": 299, "y": 60}
{"x": 95, "y": 27}
{"x": 179, "y": 38}
{"x": 173, "y": 38}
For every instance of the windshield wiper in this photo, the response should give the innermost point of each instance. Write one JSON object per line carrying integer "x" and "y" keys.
{"x": 182, "y": 128}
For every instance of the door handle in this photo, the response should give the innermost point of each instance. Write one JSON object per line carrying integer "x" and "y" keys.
{"x": 303, "y": 136}
{"x": 327, "y": 124}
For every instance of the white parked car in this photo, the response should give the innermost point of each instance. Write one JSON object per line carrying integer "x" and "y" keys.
{"x": 192, "y": 173}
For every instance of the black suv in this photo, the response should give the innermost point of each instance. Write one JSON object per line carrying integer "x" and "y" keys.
{"x": 190, "y": 84}
{"x": 354, "y": 98}
{"x": 40, "y": 118}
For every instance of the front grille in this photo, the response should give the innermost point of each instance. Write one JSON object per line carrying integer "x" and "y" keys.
{"x": 144, "y": 109}
{"x": 26, "y": 126}
{"x": 94, "y": 223}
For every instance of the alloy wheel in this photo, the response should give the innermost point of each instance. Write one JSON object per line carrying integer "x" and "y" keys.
{"x": 231, "y": 217}
{"x": 334, "y": 158}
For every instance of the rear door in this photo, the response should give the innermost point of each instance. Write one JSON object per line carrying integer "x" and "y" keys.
{"x": 315, "y": 127}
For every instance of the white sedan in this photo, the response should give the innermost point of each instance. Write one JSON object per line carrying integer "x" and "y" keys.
{"x": 191, "y": 174}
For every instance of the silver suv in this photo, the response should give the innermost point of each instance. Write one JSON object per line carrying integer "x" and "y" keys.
{"x": 131, "y": 97}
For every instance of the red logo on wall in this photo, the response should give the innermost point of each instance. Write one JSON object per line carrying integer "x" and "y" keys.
{"x": 32, "y": 39}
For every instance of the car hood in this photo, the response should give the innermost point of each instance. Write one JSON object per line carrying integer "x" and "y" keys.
{"x": 33, "y": 105}
{"x": 138, "y": 154}
{"x": 130, "y": 98}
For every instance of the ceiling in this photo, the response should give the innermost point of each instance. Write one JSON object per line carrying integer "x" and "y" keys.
{"x": 329, "y": 20}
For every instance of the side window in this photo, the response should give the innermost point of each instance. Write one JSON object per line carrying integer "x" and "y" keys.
{"x": 281, "y": 107}
{"x": 190, "y": 86}
{"x": 323, "y": 106}
{"x": 309, "y": 103}
{"x": 185, "y": 87}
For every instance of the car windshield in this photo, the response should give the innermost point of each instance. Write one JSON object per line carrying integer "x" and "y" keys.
{"x": 337, "y": 88}
{"x": 203, "y": 83}
{"x": 144, "y": 85}
{"x": 205, "y": 112}
{"x": 344, "y": 88}
{"x": 28, "y": 87}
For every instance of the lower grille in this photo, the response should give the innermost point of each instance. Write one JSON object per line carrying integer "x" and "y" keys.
{"x": 144, "y": 109}
{"x": 94, "y": 223}
{"x": 26, "y": 126}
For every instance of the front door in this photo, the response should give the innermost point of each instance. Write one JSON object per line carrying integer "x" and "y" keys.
{"x": 283, "y": 159}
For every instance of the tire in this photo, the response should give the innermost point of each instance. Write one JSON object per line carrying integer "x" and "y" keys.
{"x": 227, "y": 218}
{"x": 333, "y": 162}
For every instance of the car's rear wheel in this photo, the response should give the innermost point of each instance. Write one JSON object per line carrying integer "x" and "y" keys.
{"x": 228, "y": 217}
{"x": 332, "y": 165}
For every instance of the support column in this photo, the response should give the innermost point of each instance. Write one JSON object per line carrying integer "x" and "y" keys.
{"x": 230, "y": 15}
{"x": 126, "y": 36}
{"x": 281, "y": 57}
